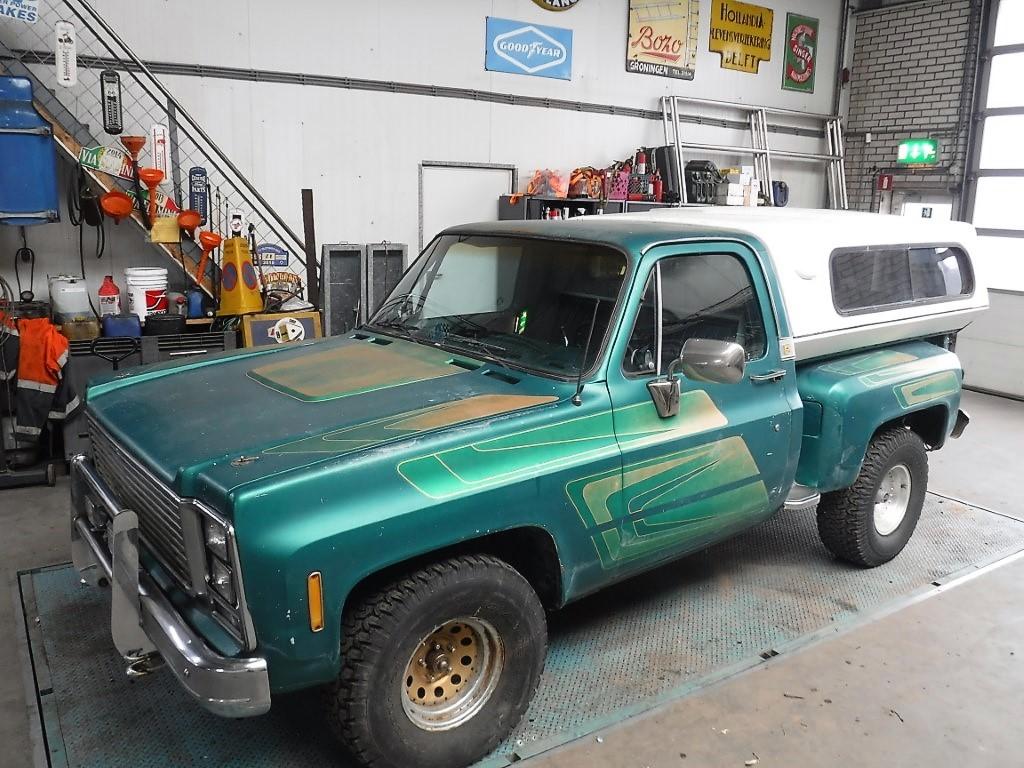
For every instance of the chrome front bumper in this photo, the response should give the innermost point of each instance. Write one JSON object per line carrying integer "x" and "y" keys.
{"x": 142, "y": 619}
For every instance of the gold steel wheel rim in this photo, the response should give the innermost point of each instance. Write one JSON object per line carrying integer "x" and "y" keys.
{"x": 452, "y": 673}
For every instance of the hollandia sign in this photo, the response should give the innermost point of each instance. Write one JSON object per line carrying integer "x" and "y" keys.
{"x": 742, "y": 33}
{"x": 801, "y": 53}
{"x": 528, "y": 49}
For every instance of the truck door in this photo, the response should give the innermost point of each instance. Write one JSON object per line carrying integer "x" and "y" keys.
{"x": 726, "y": 460}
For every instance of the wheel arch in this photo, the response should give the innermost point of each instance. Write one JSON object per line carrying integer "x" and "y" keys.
{"x": 531, "y": 550}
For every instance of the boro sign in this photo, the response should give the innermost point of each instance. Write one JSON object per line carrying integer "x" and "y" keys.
{"x": 528, "y": 49}
{"x": 801, "y": 53}
{"x": 662, "y": 38}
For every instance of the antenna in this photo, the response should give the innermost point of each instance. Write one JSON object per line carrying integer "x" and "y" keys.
{"x": 576, "y": 399}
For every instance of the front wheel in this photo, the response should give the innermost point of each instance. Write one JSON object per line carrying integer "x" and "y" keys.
{"x": 871, "y": 522}
{"x": 439, "y": 666}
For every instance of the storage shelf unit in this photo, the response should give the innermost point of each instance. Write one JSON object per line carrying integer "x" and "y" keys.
{"x": 529, "y": 207}
{"x": 760, "y": 119}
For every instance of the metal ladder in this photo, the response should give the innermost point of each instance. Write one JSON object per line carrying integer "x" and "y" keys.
{"x": 76, "y": 113}
{"x": 756, "y": 120}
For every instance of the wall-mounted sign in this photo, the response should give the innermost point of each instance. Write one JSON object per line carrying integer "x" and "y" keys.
{"x": 662, "y": 38}
{"x": 885, "y": 182}
{"x": 65, "y": 57}
{"x": 199, "y": 191}
{"x": 528, "y": 49}
{"x": 742, "y": 34}
{"x": 20, "y": 10}
{"x": 801, "y": 53}
{"x": 918, "y": 152}
{"x": 271, "y": 255}
{"x": 556, "y": 5}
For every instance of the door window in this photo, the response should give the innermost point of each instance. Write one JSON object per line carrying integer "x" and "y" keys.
{"x": 704, "y": 296}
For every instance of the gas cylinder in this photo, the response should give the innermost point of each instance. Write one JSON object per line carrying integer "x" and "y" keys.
{"x": 110, "y": 297}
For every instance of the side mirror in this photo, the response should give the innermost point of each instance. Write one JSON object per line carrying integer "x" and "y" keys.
{"x": 718, "y": 362}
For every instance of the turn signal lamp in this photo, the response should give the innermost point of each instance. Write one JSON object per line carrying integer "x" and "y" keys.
{"x": 315, "y": 593}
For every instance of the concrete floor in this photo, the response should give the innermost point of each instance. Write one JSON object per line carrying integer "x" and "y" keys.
{"x": 937, "y": 683}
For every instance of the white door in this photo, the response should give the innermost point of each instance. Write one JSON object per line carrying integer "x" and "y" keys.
{"x": 453, "y": 194}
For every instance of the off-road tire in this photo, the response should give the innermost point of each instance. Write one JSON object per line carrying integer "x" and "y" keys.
{"x": 380, "y": 634}
{"x": 846, "y": 518}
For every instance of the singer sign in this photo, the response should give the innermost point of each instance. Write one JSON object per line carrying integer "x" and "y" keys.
{"x": 528, "y": 49}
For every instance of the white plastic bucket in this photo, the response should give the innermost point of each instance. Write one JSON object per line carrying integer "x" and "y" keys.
{"x": 147, "y": 290}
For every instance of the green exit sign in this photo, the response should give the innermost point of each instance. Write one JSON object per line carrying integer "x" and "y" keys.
{"x": 918, "y": 152}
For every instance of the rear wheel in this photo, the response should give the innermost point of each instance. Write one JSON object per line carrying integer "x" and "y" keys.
{"x": 871, "y": 522}
{"x": 439, "y": 666}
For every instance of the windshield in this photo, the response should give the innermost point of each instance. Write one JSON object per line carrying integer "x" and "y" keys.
{"x": 523, "y": 303}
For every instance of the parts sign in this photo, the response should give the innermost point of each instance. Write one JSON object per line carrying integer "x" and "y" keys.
{"x": 20, "y": 10}
{"x": 742, "y": 34}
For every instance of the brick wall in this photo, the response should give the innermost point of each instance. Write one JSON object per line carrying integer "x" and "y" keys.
{"x": 912, "y": 76}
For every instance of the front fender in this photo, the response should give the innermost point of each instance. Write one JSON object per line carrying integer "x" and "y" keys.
{"x": 847, "y": 399}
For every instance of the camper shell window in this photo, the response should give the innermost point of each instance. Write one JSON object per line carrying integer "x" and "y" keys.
{"x": 870, "y": 278}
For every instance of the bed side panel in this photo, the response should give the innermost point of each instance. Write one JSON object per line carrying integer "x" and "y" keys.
{"x": 846, "y": 399}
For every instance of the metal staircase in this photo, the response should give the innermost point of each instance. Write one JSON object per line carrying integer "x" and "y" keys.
{"x": 76, "y": 114}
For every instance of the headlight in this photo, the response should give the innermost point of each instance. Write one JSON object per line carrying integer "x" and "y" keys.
{"x": 221, "y": 580}
{"x": 216, "y": 538}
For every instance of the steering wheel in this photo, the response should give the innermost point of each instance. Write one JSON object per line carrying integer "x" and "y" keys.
{"x": 115, "y": 354}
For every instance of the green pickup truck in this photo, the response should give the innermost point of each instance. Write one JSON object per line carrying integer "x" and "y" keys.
{"x": 538, "y": 410}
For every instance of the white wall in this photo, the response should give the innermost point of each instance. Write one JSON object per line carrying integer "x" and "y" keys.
{"x": 992, "y": 349}
{"x": 360, "y": 151}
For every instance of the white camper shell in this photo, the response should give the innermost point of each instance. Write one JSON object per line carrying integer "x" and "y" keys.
{"x": 854, "y": 280}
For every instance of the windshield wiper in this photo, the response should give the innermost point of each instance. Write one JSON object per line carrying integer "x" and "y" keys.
{"x": 486, "y": 346}
{"x": 403, "y": 329}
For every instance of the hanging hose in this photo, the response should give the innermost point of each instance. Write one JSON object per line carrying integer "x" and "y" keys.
{"x": 84, "y": 209}
{"x": 24, "y": 254}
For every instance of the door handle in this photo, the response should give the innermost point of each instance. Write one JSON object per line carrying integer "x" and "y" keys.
{"x": 761, "y": 378}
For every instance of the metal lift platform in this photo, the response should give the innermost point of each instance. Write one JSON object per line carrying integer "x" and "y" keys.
{"x": 642, "y": 643}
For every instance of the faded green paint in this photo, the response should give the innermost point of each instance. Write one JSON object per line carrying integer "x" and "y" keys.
{"x": 856, "y": 365}
{"x": 402, "y": 425}
{"x": 375, "y": 450}
{"x": 354, "y": 369}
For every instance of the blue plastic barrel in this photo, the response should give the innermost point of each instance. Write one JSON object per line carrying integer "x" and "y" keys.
{"x": 28, "y": 158}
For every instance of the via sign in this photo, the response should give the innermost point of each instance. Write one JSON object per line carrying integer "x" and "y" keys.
{"x": 528, "y": 49}
{"x": 918, "y": 152}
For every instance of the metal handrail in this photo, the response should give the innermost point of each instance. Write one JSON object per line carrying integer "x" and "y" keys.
{"x": 180, "y": 111}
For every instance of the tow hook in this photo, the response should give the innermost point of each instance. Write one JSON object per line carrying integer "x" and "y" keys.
{"x": 143, "y": 664}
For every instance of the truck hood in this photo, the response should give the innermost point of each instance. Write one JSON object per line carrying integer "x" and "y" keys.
{"x": 210, "y": 426}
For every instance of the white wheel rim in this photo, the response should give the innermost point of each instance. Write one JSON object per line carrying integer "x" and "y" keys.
{"x": 892, "y": 499}
{"x": 452, "y": 674}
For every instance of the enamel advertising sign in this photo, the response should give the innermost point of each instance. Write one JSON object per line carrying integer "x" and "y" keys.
{"x": 742, "y": 34}
{"x": 801, "y": 53}
{"x": 662, "y": 38}
{"x": 528, "y": 49}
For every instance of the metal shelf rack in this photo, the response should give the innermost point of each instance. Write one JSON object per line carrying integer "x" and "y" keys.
{"x": 760, "y": 149}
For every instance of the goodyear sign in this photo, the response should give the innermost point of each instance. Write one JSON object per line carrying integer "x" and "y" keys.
{"x": 742, "y": 34}
{"x": 528, "y": 49}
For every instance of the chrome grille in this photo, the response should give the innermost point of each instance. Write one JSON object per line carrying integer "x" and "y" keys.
{"x": 155, "y": 504}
